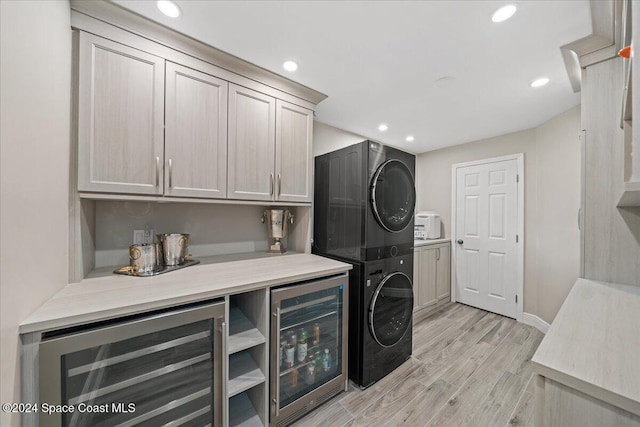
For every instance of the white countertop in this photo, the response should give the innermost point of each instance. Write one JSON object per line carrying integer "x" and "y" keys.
{"x": 417, "y": 243}
{"x": 109, "y": 295}
{"x": 593, "y": 344}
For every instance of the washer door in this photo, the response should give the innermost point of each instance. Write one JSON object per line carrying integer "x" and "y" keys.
{"x": 393, "y": 195}
{"x": 391, "y": 309}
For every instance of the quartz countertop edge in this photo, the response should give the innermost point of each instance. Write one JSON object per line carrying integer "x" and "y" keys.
{"x": 428, "y": 242}
{"x": 104, "y": 298}
{"x": 593, "y": 343}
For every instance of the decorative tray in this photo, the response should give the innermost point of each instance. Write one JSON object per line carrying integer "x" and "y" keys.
{"x": 127, "y": 270}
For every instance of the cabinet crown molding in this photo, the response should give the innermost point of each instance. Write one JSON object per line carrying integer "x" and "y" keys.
{"x": 602, "y": 44}
{"x": 113, "y": 14}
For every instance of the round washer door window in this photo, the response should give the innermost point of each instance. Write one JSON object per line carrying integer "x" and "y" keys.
{"x": 391, "y": 309}
{"x": 393, "y": 195}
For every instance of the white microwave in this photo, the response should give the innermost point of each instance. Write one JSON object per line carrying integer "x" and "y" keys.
{"x": 427, "y": 225}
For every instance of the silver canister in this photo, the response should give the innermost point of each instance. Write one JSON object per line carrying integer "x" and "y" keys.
{"x": 144, "y": 257}
{"x": 277, "y": 221}
{"x": 174, "y": 248}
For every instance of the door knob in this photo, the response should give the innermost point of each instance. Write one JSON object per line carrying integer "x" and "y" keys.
{"x": 460, "y": 241}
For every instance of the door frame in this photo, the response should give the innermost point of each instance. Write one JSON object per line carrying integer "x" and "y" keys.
{"x": 519, "y": 158}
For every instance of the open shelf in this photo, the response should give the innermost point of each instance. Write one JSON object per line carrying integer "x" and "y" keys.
{"x": 244, "y": 373}
{"x": 242, "y": 333}
{"x": 630, "y": 195}
{"x": 242, "y": 412}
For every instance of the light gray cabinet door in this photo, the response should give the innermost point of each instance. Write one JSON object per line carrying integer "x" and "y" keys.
{"x": 252, "y": 119}
{"x": 195, "y": 134}
{"x": 443, "y": 272}
{"x": 428, "y": 265}
{"x": 294, "y": 133}
{"x": 120, "y": 118}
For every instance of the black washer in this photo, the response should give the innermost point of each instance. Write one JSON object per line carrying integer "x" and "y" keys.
{"x": 391, "y": 309}
{"x": 393, "y": 196}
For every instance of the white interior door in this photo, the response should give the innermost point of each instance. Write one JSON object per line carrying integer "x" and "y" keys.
{"x": 486, "y": 227}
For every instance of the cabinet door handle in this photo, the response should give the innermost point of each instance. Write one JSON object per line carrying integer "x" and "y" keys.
{"x": 170, "y": 173}
{"x": 438, "y": 254}
{"x": 157, "y": 171}
{"x": 271, "y": 184}
{"x": 579, "y": 212}
{"x": 277, "y": 398}
{"x": 279, "y": 185}
{"x": 225, "y": 375}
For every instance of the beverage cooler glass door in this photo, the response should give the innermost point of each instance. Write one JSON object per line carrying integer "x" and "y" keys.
{"x": 164, "y": 368}
{"x": 308, "y": 346}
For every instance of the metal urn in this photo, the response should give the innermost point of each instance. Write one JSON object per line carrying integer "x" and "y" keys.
{"x": 277, "y": 221}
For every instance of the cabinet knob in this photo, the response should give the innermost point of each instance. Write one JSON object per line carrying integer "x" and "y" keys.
{"x": 460, "y": 241}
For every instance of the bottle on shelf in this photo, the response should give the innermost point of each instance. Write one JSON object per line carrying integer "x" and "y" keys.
{"x": 319, "y": 362}
{"x": 293, "y": 339}
{"x": 310, "y": 376}
{"x": 294, "y": 378}
{"x": 302, "y": 347}
{"x": 289, "y": 357}
{"x": 283, "y": 350}
{"x": 316, "y": 333}
{"x": 326, "y": 360}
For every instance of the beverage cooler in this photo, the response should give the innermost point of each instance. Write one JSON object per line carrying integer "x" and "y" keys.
{"x": 308, "y": 347}
{"x": 160, "y": 368}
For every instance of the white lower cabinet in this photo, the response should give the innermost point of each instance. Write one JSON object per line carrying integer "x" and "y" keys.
{"x": 431, "y": 275}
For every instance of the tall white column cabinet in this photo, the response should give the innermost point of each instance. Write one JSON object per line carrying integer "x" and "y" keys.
{"x": 600, "y": 305}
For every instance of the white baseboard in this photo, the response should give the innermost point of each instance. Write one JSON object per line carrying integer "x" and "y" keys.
{"x": 535, "y": 321}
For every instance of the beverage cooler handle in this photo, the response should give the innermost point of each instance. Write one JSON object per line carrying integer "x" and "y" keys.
{"x": 276, "y": 400}
{"x": 225, "y": 375}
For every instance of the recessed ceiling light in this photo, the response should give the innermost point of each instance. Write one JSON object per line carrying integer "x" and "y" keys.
{"x": 290, "y": 66}
{"x": 410, "y": 138}
{"x": 383, "y": 127}
{"x": 169, "y": 8}
{"x": 504, "y": 13}
{"x": 539, "y": 82}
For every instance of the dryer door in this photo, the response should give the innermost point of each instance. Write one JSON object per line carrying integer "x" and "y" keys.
{"x": 393, "y": 195}
{"x": 391, "y": 309}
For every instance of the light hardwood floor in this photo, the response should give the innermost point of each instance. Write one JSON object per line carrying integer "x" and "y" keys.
{"x": 469, "y": 368}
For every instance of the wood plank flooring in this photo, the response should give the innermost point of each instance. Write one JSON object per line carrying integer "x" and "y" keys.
{"x": 469, "y": 368}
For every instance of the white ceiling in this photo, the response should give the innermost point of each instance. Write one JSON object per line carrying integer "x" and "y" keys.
{"x": 378, "y": 61}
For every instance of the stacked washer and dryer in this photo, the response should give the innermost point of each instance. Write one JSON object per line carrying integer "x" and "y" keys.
{"x": 363, "y": 214}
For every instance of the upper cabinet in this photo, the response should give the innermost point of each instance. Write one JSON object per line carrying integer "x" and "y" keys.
{"x": 269, "y": 148}
{"x": 152, "y": 126}
{"x": 195, "y": 161}
{"x": 252, "y": 144}
{"x": 294, "y": 133}
{"x": 120, "y": 118}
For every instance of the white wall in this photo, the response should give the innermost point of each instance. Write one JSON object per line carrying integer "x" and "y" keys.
{"x": 552, "y": 199}
{"x": 556, "y": 208}
{"x": 35, "y": 85}
{"x": 214, "y": 229}
{"x": 327, "y": 138}
{"x": 433, "y": 190}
